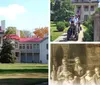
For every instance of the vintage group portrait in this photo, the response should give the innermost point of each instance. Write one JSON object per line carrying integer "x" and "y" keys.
{"x": 75, "y": 64}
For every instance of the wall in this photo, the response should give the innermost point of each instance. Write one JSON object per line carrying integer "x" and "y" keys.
{"x": 44, "y": 51}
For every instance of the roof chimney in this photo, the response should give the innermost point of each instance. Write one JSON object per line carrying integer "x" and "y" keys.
{"x": 3, "y": 25}
{"x": 18, "y": 33}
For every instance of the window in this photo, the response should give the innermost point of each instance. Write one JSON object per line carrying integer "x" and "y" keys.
{"x": 30, "y": 46}
{"x": 20, "y": 46}
{"x": 86, "y": 8}
{"x": 37, "y": 45}
{"x": 92, "y": 8}
{"x": 16, "y": 44}
{"x": 47, "y": 57}
{"x": 23, "y": 46}
{"x": 27, "y": 46}
{"x": 47, "y": 46}
{"x": 85, "y": 17}
{"x": 34, "y": 45}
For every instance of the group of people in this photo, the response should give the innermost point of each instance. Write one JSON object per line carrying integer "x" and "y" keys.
{"x": 76, "y": 21}
{"x": 79, "y": 75}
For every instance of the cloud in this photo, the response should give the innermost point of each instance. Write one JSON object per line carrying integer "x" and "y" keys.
{"x": 12, "y": 11}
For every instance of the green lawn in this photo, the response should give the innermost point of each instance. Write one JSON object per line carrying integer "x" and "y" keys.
{"x": 84, "y": 27}
{"x": 23, "y": 74}
{"x": 54, "y": 33}
{"x": 23, "y": 68}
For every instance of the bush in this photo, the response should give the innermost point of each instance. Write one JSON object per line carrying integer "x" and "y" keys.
{"x": 60, "y": 26}
{"x": 89, "y": 33}
{"x": 66, "y": 24}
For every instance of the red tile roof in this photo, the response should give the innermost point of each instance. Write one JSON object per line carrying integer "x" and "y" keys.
{"x": 16, "y": 37}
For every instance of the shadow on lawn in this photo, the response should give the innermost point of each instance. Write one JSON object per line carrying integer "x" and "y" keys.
{"x": 23, "y": 71}
{"x": 22, "y": 81}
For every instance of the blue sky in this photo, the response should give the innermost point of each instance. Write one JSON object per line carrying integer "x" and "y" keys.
{"x": 25, "y": 14}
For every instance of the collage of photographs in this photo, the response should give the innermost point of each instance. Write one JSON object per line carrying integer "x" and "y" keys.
{"x": 50, "y": 42}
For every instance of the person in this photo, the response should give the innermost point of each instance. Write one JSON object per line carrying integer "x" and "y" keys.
{"x": 60, "y": 68}
{"x": 96, "y": 76}
{"x": 63, "y": 73}
{"x": 74, "y": 19}
{"x": 87, "y": 79}
{"x": 78, "y": 69}
{"x": 53, "y": 76}
{"x": 70, "y": 79}
{"x": 53, "y": 73}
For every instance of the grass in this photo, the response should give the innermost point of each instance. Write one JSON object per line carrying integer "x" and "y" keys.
{"x": 23, "y": 74}
{"x": 54, "y": 33}
{"x": 84, "y": 27}
{"x": 23, "y": 68}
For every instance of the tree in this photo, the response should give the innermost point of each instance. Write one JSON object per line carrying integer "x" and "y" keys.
{"x": 61, "y": 10}
{"x": 10, "y": 30}
{"x": 6, "y": 55}
{"x": 41, "y": 32}
{"x": 26, "y": 33}
{"x": 23, "y": 33}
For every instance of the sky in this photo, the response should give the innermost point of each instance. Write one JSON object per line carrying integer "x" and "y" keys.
{"x": 25, "y": 14}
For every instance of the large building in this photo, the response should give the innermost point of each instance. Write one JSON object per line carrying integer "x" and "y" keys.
{"x": 27, "y": 50}
{"x": 85, "y": 8}
{"x": 30, "y": 50}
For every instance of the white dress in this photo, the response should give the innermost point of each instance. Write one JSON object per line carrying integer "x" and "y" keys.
{"x": 68, "y": 82}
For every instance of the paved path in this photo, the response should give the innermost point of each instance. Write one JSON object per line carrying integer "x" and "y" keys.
{"x": 63, "y": 37}
{"x": 45, "y": 83}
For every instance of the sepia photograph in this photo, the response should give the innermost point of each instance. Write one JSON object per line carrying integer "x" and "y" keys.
{"x": 75, "y": 64}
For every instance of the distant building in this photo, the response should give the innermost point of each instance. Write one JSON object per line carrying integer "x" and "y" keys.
{"x": 30, "y": 50}
{"x": 27, "y": 50}
{"x": 85, "y": 8}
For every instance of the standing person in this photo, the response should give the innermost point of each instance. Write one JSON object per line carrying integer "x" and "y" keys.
{"x": 78, "y": 69}
{"x": 96, "y": 76}
{"x": 53, "y": 76}
{"x": 87, "y": 79}
{"x": 53, "y": 73}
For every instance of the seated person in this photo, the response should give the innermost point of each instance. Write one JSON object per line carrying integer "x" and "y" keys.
{"x": 60, "y": 68}
{"x": 87, "y": 79}
{"x": 63, "y": 73}
{"x": 70, "y": 80}
{"x": 96, "y": 76}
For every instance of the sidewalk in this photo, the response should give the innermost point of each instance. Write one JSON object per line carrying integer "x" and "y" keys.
{"x": 63, "y": 37}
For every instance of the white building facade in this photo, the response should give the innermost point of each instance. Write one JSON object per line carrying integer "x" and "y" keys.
{"x": 32, "y": 52}
{"x": 85, "y": 8}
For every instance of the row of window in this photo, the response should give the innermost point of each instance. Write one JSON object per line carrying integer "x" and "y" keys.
{"x": 28, "y": 46}
{"x": 86, "y": 8}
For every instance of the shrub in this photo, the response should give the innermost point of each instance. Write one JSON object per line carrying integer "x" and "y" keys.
{"x": 89, "y": 33}
{"x": 66, "y": 24}
{"x": 60, "y": 26}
